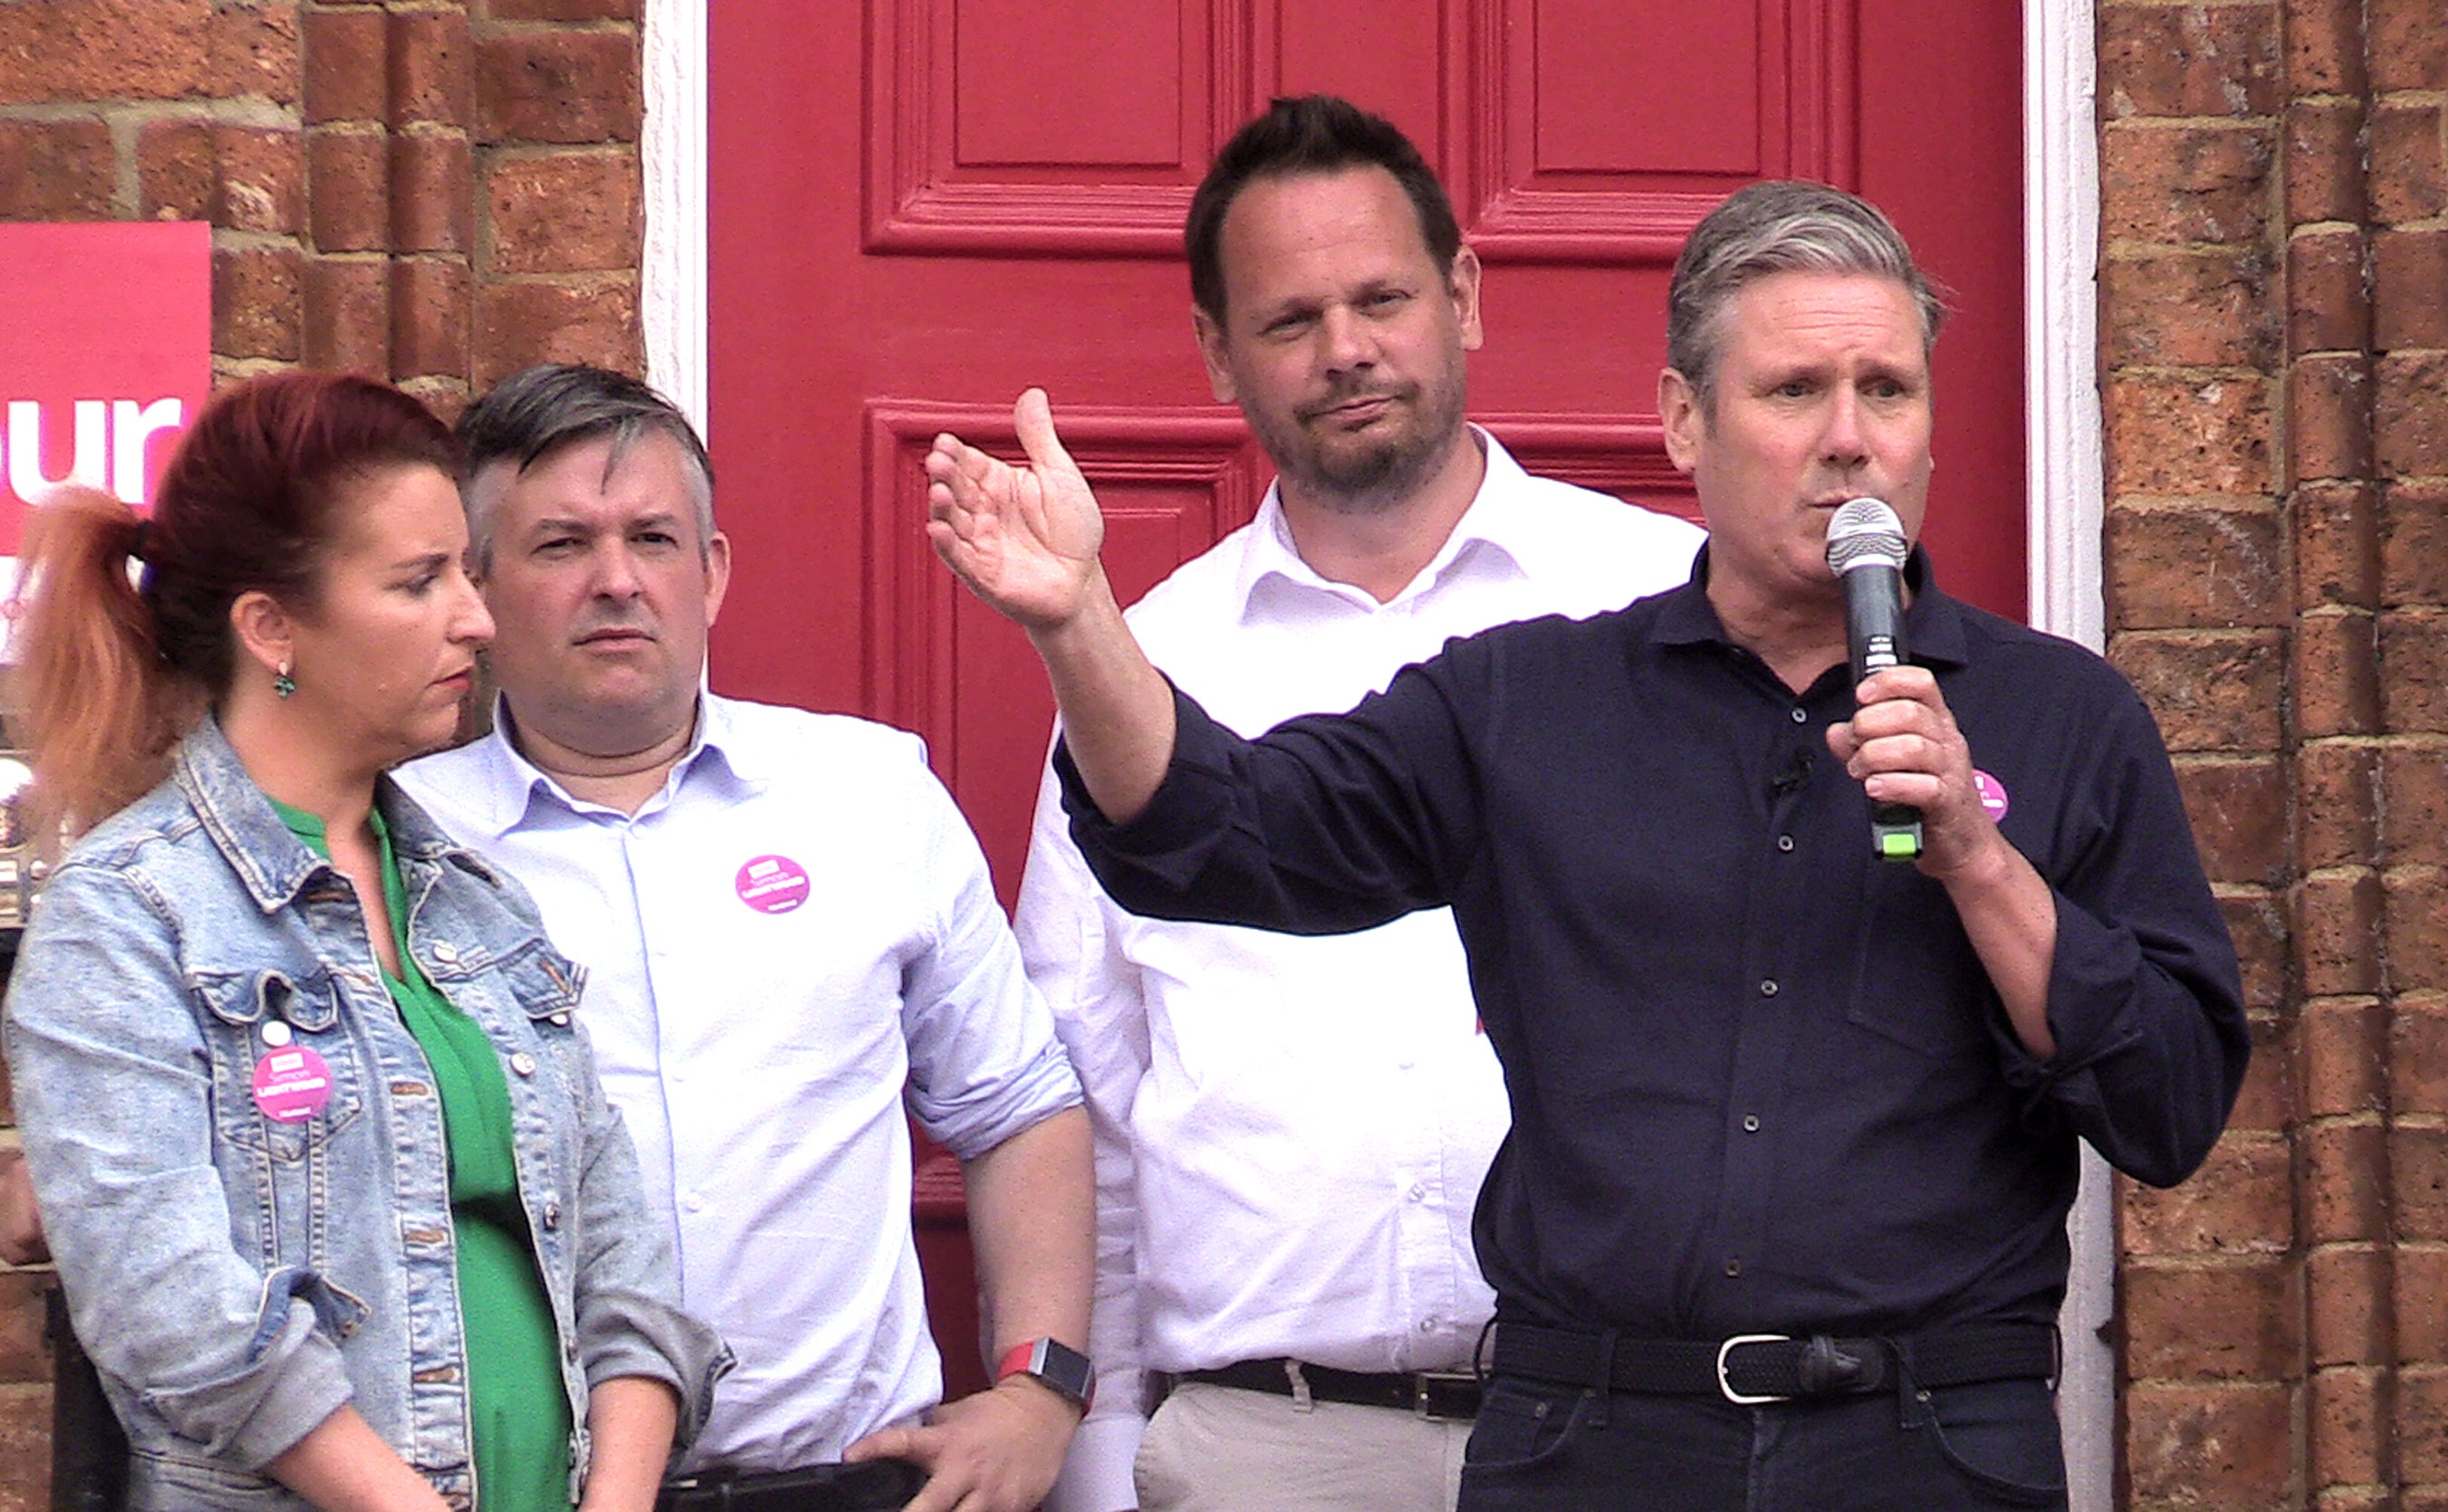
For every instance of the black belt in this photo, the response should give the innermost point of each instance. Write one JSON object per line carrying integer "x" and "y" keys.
{"x": 1753, "y": 1368}
{"x": 1435, "y": 1394}
{"x": 876, "y": 1486}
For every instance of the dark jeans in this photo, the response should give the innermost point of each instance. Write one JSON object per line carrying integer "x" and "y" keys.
{"x": 1559, "y": 1448}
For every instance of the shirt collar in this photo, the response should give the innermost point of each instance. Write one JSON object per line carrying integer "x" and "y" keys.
{"x": 1934, "y": 623}
{"x": 513, "y": 786}
{"x": 1500, "y": 528}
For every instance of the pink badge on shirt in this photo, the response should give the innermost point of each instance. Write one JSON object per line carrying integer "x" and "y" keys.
{"x": 1993, "y": 795}
{"x": 292, "y": 1084}
{"x": 771, "y": 884}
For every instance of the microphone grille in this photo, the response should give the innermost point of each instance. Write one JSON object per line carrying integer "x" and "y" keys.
{"x": 1864, "y": 533}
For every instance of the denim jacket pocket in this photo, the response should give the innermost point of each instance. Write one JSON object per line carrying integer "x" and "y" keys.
{"x": 243, "y": 1005}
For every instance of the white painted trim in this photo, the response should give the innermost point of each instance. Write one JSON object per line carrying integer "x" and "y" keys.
{"x": 2062, "y": 526}
{"x": 672, "y": 281}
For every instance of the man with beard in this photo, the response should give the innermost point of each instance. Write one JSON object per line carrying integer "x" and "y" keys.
{"x": 1291, "y": 1132}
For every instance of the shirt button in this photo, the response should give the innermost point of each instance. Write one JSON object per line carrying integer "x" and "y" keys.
{"x": 1800, "y": 717}
{"x": 1427, "y": 1325}
{"x": 522, "y": 1062}
{"x": 1750, "y": 1123}
{"x": 1768, "y": 987}
{"x": 1784, "y": 842}
{"x": 1419, "y": 1192}
{"x": 445, "y": 952}
{"x": 1733, "y": 1265}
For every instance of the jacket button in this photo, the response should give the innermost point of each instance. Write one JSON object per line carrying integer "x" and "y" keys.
{"x": 445, "y": 952}
{"x": 522, "y": 1062}
{"x": 560, "y": 1020}
{"x": 552, "y": 1214}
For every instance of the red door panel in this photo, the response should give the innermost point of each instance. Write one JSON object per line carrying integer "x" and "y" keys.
{"x": 918, "y": 207}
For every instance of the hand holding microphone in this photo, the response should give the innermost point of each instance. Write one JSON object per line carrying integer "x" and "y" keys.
{"x": 1866, "y": 548}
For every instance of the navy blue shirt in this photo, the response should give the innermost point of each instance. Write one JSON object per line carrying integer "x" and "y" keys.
{"x": 1760, "y": 1081}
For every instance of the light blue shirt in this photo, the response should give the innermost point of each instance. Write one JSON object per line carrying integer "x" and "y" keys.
{"x": 795, "y": 929}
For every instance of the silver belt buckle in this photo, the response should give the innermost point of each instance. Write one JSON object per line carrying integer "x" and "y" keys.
{"x": 1422, "y": 1380}
{"x": 1739, "y": 1398}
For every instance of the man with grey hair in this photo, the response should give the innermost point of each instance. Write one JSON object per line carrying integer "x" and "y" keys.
{"x": 787, "y": 927}
{"x": 1780, "y": 1224}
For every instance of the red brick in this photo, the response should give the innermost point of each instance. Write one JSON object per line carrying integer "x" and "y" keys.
{"x": 344, "y": 68}
{"x": 23, "y": 1356}
{"x": 2345, "y": 1192}
{"x": 2328, "y": 412}
{"x": 432, "y": 192}
{"x": 2418, "y": 1171}
{"x": 2414, "y": 543}
{"x": 2410, "y": 413}
{"x": 2212, "y": 1322}
{"x": 2184, "y": 183}
{"x": 2227, "y": 1446}
{"x": 255, "y": 302}
{"x": 176, "y": 175}
{"x": 56, "y": 170}
{"x": 2337, "y": 804}
{"x": 2189, "y": 307}
{"x": 2327, "y": 308}
{"x": 103, "y": 49}
{"x": 2325, "y": 163}
{"x": 25, "y": 1447}
{"x": 2410, "y": 288}
{"x": 255, "y": 51}
{"x": 2346, "y": 1428}
{"x": 2266, "y": 1102}
{"x": 433, "y": 68}
{"x": 2210, "y": 690}
{"x": 545, "y": 86}
{"x": 2421, "y": 1274}
{"x": 348, "y": 315}
{"x": 2346, "y": 1049}
{"x": 2193, "y": 61}
{"x": 2241, "y": 1203}
{"x": 564, "y": 10}
{"x": 260, "y": 175}
{"x": 2408, "y": 178}
{"x": 2238, "y": 807}
{"x": 352, "y": 190}
{"x": 2324, "y": 47}
{"x": 522, "y": 323}
{"x": 2337, "y": 933}
{"x": 2418, "y": 930}
{"x": 2409, "y": 44}
{"x": 2414, "y": 648}
{"x": 2415, "y": 823}
{"x": 563, "y": 212}
{"x": 2422, "y": 1426}
{"x": 2172, "y": 568}
{"x": 2189, "y": 436}
{"x": 2336, "y": 681}
{"x": 2347, "y": 1293}
{"x": 2418, "y": 1056}
{"x": 432, "y": 299}
{"x": 2257, "y": 922}
{"x": 2337, "y": 545}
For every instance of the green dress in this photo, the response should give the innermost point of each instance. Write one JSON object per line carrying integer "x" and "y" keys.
{"x": 516, "y": 1402}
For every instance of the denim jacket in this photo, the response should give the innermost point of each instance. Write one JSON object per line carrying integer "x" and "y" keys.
{"x": 236, "y": 1277}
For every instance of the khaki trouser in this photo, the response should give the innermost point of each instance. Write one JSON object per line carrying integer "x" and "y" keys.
{"x": 1215, "y": 1449}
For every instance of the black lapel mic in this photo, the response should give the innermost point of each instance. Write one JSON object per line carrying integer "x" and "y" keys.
{"x": 1866, "y": 547}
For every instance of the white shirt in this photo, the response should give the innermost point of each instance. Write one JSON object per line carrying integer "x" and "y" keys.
{"x": 796, "y": 927}
{"x": 1291, "y": 1132}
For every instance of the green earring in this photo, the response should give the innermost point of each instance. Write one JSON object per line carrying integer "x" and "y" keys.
{"x": 282, "y": 682}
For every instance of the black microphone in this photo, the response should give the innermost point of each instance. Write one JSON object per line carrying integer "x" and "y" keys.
{"x": 1866, "y": 547}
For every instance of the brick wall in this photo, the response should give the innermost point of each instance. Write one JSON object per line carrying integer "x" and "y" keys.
{"x": 432, "y": 190}
{"x": 2274, "y": 306}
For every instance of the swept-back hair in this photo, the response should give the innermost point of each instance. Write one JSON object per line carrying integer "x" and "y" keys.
{"x": 530, "y": 415}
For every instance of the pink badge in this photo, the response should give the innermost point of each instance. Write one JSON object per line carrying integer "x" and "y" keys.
{"x": 1993, "y": 795}
{"x": 292, "y": 1084}
{"x": 771, "y": 884}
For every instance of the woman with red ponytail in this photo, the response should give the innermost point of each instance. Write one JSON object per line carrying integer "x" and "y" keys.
{"x": 339, "y": 1208}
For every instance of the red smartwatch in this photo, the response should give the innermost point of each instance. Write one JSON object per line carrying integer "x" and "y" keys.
{"x": 1057, "y": 1366}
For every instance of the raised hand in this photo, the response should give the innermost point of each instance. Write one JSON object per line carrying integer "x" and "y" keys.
{"x": 1024, "y": 540}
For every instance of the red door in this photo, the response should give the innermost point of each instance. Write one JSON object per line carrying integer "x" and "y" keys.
{"x": 920, "y": 207}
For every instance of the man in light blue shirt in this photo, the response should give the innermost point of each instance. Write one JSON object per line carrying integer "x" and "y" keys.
{"x": 788, "y": 924}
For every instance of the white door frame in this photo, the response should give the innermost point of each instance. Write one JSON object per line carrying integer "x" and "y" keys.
{"x": 2062, "y": 428}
